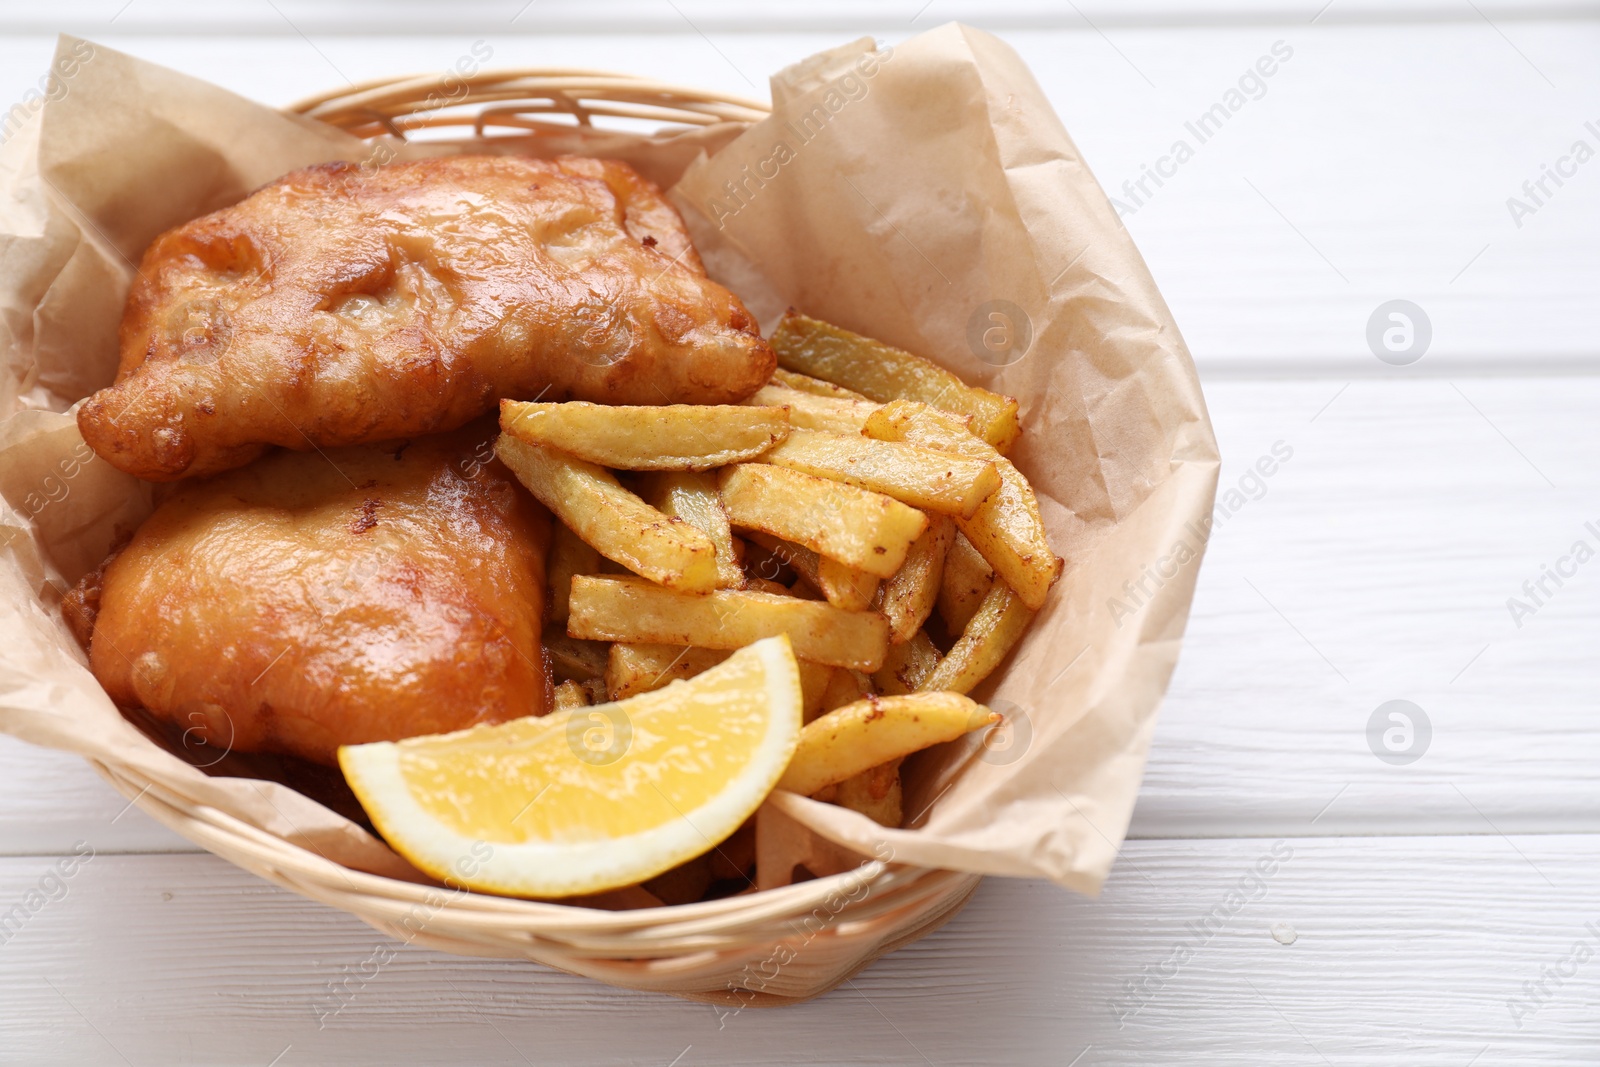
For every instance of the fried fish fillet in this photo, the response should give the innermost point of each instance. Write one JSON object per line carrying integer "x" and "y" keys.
{"x": 306, "y": 601}
{"x": 345, "y": 305}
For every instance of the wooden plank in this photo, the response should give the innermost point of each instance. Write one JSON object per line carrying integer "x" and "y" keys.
{"x": 1375, "y": 164}
{"x": 1375, "y": 566}
{"x": 1407, "y": 950}
{"x": 1390, "y": 541}
{"x": 352, "y": 17}
{"x": 51, "y": 800}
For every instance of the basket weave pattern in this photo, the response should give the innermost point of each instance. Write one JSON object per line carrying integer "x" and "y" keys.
{"x": 777, "y": 946}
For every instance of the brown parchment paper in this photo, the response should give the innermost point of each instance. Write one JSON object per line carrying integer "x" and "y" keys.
{"x": 897, "y": 192}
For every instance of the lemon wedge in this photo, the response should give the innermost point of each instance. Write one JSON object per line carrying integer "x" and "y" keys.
{"x": 595, "y": 798}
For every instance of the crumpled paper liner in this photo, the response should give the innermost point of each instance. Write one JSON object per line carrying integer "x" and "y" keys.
{"x": 915, "y": 186}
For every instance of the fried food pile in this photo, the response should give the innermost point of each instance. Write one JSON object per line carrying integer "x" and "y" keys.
{"x": 306, "y": 601}
{"x": 831, "y": 552}
{"x": 345, "y": 305}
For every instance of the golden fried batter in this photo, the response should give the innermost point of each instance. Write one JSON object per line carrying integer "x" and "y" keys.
{"x": 305, "y": 602}
{"x": 344, "y": 305}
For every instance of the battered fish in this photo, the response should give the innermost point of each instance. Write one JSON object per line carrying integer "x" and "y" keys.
{"x": 344, "y": 305}
{"x": 306, "y": 602}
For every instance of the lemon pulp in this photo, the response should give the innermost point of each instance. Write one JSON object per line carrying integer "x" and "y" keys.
{"x": 596, "y": 798}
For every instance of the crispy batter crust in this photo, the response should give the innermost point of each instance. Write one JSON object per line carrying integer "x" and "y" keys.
{"x": 344, "y": 305}
{"x": 308, "y": 601}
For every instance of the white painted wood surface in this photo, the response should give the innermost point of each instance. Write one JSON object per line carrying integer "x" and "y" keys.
{"x": 1404, "y": 951}
{"x": 1390, "y": 541}
{"x": 1375, "y": 165}
{"x": 1375, "y": 564}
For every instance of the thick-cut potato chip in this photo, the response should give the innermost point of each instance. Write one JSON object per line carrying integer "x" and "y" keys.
{"x": 571, "y": 659}
{"x": 692, "y": 497}
{"x": 766, "y": 564}
{"x": 568, "y": 556}
{"x": 672, "y": 437}
{"x": 883, "y": 373}
{"x": 846, "y": 687}
{"x": 636, "y": 611}
{"x": 907, "y": 599}
{"x": 875, "y": 793}
{"x": 906, "y": 666}
{"x": 639, "y": 668}
{"x": 570, "y": 694}
{"x": 843, "y": 586}
{"x": 632, "y": 669}
{"x": 839, "y": 414}
{"x": 990, "y": 635}
{"x": 814, "y": 679}
{"x": 867, "y": 530}
{"x": 1007, "y": 528}
{"x": 807, "y": 384}
{"x": 966, "y": 581}
{"x": 922, "y": 477}
{"x": 766, "y": 585}
{"x": 859, "y": 736}
{"x": 617, "y": 524}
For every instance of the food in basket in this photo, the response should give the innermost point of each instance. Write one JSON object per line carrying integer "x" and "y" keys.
{"x": 775, "y": 577}
{"x": 598, "y": 798}
{"x": 311, "y": 600}
{"x": 852, "y": 740}
{"x": 346, "y": 305}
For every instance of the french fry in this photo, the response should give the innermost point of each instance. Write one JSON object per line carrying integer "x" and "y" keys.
{"x": 883, "y": 373}
{"x": 788, "y": 379}
{"x": 843, "y": 586}
{"x": 866, "y": 530}
{"x": 907, "y": 599}
{"x": 839, "y": 414}
{"x": 814, "y": 679}
{"x": 570, "y": 694}
{"x": 804, "y": 590}
{"x": 639, "y": 668}
{"x": 1007, "y": 528}
{"x": 875, "y": 793}
{"x": 966, "y": 581}
{"x": 767, "y": 585}
{"x": 906, "y": 666}
{"x": 568, "y": 556}
{"x": 672, "y": 437}
{"x": 692, "y": 497}
{"x": 612, "y": 520}
{"x": 571, "y": 659}
{"x": 998, "y": 625}
{"x": 846, "y": 687}
{"x": 632, "y": 669}
{"x": 761, "y": 562}
{"x": 922, "y": 477}
{"x": 851, "y": 739}
{"x": 636, "y": 611}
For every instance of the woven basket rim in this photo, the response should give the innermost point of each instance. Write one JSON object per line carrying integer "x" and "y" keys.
{"x": 398, "y": 104}
{"x": 557, "y": 933}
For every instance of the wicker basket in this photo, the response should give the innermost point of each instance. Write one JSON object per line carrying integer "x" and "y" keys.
{"x": 778, "y": 946}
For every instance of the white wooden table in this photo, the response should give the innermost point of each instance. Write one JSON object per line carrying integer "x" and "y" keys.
{"x": 1441, "y": 911}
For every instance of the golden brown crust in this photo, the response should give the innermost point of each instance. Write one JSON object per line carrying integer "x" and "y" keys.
{"x": 343, "y": 305}
{"x": 308, "y": 601}
{"x": 81, "y": 606}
